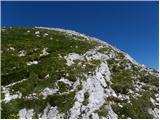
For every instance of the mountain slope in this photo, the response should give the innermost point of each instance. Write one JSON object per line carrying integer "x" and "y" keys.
{"x": 56, "y": 73}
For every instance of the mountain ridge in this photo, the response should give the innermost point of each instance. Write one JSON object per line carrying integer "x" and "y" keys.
{"x": 93, "y": 38}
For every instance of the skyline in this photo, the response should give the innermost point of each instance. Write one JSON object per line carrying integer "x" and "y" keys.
{"x": 129, "y": 26}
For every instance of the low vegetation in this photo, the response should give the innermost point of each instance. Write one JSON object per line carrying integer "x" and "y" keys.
{"x": 22, "y": 59}
{"x": 137, "y": 109}
{"x": 86, "y": 99}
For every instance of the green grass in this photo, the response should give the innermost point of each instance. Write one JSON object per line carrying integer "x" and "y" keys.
{"x": 137, "y": 109}
{"x": 63, "y": 102}
{"x": 33, "y": 84}
{"x": 102, "y": 112}
{"x": 14, "y": 68}
{"x": 120, "y": 55}
{"x": 62, "y": 87}
{"x": 149, "y": 78}
{"x": 11, "y": 109}
{"x": 115, "y": 99}
{"x": 105, "y": 50}
{"x": 122, "y": 81}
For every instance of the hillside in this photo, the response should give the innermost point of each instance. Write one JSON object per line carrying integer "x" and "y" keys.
{"x": 56, "y": 73}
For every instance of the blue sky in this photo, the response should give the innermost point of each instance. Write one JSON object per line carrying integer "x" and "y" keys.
{"x": 130, "y": 26}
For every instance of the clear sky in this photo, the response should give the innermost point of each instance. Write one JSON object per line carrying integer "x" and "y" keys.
{"x": 130, "y": 26}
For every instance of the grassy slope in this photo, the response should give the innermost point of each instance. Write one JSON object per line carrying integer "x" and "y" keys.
{"x": 52, "y": 64}
{"x": 14, "y": 68}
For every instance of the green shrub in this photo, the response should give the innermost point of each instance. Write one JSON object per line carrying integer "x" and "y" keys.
{"x": 86, "y": 99}
{"x": 63, "y": 102}
{"x": 14, "y": 76}
{"x": 102, "y": 111}
{"x": 62, "y": 87}
{"x": 149, "y": 78}
{"x": 137, "y": 109}
{"x": 122, "y": 81}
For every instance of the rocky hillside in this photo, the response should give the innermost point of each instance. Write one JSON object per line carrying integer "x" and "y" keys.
{"x": 56, "y": 73}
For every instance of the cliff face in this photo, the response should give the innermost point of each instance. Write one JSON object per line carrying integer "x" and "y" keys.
{"x": 56, "y": 73}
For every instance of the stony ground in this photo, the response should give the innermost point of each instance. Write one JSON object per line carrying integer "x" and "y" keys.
{"x": 56, "y": 73}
